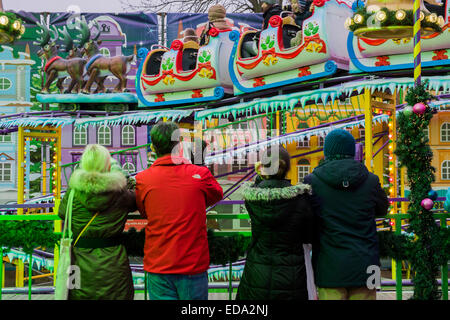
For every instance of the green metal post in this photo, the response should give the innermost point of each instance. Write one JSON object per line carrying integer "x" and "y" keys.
{"x": 230, "y": 278}
{"x": 30, "y": 274}
{"x": 1, "y": 271}
{"x": 444, "y": 271}
{"x": 398, "y": 263}
{"x": 145, "y": 285}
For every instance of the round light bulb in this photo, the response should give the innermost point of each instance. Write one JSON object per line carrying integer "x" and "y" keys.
{"x": 441, "y": 21}
{"x": 381, "y": 16}
{"x": 4, "y": 20}
{"x": 348, "y": 22}
{"x": 422, "y": 15}
{"x": 358, "y": 18}
{"x": 400, "y": 15}
{"x": 16, "y": 25}
{"x": 433, "y": 18}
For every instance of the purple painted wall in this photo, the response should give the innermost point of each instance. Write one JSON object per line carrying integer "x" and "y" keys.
{"x": 71, "y": 153}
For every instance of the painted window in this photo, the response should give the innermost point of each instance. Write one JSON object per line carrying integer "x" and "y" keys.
{"x": 105, "y": 52}
{"x": 321, "y": 141}
{"x": 239, "y": 162}
{"x": 445, "y": 170}
{"x": 5, "y": 172}
{"x": 104, "y": 136}
{"x": 303, "y": 169}
{"x": 303, "y": 143}
{"x": 5, "y": 84}
{"x": 80, "y": 136}
{"x": 362, "y": 132}
{"x": 6, "y": 138}
{"x": 129, "y": 167}
{"x": 128, "y": 136}
{"x": 445, "y": 132}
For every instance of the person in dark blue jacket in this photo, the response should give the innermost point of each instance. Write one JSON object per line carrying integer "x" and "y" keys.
{"x": 346, "y": 198}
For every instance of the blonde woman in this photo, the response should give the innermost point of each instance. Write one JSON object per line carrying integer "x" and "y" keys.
{"x": 101, "y": 202}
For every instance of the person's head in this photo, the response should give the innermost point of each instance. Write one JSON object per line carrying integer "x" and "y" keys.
{"x": 216, "y": 13}
{"x": 339, "y": 144}
{"x": 165, "y": 137}
{"x": 190, "y": 35}
{"x": 95, "y": 158}
{"x": 275, "y": 163}
{"x": 266, "y": 4}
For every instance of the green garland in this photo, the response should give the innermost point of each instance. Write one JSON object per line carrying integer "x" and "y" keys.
{"x": 391, "y": 20}
{"x": 222, "y": 250}
{"x": 27, "y": 235}
{"x": 8, "y": 28}
{"x": 413, "y": 151}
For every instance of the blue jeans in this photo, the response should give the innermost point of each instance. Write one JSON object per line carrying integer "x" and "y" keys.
{"x": 177, "y": 286}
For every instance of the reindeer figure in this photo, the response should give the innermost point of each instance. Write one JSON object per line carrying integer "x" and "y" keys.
{"x": 99, "y": 66}
{"x": 57, "y": 67}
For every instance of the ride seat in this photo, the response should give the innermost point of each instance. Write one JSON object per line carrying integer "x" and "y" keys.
{"x": 190, "y": 52}
{"x": 289, "y": 31}
{"x": 154, "y": 63}
{"x": 249, "y": 44}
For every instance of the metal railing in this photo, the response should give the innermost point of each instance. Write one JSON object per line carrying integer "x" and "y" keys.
{"x": 398, "y": 217}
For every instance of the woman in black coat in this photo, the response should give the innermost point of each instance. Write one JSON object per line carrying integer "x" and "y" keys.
{"x": 281, "y": 221}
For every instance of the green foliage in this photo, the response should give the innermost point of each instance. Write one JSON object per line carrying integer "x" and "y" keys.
{"x": 269, "y": 43}
{"x": 8, "y": 28}
{"x": 35, "y": 185}
{"x": 222, "y": 250}
{"x": 391, "y": 20}
{"x": 168, "y": 64}
{"x": 413, "y": 151}
{"x": 27, "y": 235}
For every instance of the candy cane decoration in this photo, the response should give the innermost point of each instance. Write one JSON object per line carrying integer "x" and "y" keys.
{"x": 417, "y": 56}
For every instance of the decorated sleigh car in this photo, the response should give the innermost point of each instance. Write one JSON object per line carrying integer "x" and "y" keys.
{"x": 382, "y": 36}
{"x": 276, "y": 63}
{"x": 187, "y": 72}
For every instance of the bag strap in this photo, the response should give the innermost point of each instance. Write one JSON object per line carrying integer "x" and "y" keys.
{"x": 68, "y": 217}
{"x": 84, "y": 229}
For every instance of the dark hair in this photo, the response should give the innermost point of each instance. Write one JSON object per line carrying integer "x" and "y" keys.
{"x": 284, "y": 164}
{"x": 163, "y": 138}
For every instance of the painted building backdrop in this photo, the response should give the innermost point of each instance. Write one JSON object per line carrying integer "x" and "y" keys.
{"x": 15, "y": 69}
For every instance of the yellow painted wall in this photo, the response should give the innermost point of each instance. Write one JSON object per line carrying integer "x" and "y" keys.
{"x": 441, "y": 150}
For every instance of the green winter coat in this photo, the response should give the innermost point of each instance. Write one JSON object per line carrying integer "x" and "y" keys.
{"x": 281, "y": 221}
{"x": 346, "y": 199}
{"x": 103, "y": 261}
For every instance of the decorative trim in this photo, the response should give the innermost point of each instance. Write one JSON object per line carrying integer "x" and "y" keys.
{"x": 362, "y": 67}
{"x": 49, "y": 62}
{"x": 251, "y": 193}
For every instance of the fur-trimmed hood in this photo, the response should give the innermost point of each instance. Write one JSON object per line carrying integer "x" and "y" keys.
{"x": 257, "y": 193}
{"x": 96, "y": 182}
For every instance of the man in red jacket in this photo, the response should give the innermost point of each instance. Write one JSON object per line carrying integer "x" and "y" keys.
{"x": 173, "y": 195}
